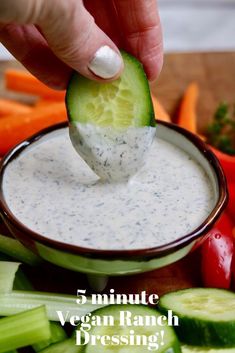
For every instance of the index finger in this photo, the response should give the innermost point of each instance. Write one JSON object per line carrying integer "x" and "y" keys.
{"x": 141, "y": 30}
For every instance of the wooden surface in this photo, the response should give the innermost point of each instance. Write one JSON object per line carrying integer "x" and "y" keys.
{"x": 215, "y": 74}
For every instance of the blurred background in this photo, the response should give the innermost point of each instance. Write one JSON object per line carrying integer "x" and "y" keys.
{"x": 198, "y": 25}
{"x": 193, "y": 25}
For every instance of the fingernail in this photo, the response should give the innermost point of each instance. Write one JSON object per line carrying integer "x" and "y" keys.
{"x": 106, "y": 62}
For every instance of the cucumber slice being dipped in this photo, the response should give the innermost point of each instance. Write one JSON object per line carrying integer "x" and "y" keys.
{"x": 206, "y": 316}
{"x": 121, "y": 337}
{"x": 122, "y": 103}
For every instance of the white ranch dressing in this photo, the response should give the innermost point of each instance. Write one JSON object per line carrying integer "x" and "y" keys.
{"x": 51, "y": 190}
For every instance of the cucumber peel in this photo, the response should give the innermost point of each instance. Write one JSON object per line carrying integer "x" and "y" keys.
{"x": 206, "y": 316}
{"x": 122, "y": 103}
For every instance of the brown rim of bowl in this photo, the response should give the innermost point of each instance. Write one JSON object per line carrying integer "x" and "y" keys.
{"x": 124, "y": 254}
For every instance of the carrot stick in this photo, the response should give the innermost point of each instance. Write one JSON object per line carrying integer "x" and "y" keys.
{"x": 17, "y": 127}
{"x": 24, "y": 82}
{"x": 159, "y": 110}
{"x": 187, "y": 114}
{"x": 42, "y": 102}
{"x": 8, "y": 107}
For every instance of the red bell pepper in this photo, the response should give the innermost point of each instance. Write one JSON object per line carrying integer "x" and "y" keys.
{"x": 217, "y": 255}
{"x": 231, "y": 204}
{"x": 233, "y": 262}
{"x": 228, "y": 164}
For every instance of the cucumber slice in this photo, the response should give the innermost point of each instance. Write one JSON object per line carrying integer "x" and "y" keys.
{"x": 121, "y": 103}
{"x": 206, "y": 316}
{"x": 191, "y": 349}
{"x": 123, "y": 337}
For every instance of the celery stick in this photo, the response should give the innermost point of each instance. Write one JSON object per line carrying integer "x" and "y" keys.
{"x": 17, "y": 301}
{"x": 7, "y": 275}
{"x": 24, "y": 329}
{"x": 57, "y": 335}
{"x": 67, "y": 346}
{"x": 16, "y": 250}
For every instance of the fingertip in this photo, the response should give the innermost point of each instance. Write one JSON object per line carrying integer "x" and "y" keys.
{"x": 153, "y": 66}
{"x": 84, "y": 46}
{"x": 106, "y": 63}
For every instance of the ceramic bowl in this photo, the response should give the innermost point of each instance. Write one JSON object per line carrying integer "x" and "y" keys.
{"x": 121, "y": 262}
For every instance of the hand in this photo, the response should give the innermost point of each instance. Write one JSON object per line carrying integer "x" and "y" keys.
{"x": 52, "y": 37}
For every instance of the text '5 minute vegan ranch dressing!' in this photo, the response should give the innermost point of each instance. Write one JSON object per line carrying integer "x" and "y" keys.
{"x": 51, "y": 190}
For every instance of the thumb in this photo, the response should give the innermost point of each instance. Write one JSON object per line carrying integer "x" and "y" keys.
{"x": 74, "y": 37}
